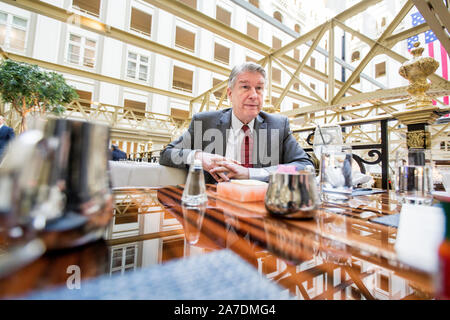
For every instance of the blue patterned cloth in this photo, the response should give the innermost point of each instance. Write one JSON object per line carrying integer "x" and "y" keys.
{"x": 390, "y": 220}
{"x": 213, "y": 276}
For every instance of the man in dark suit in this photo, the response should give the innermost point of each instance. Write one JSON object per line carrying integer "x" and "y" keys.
{"x": 118, "y": 154}
{"x": 241, "y": 142}
{"x": 6, "y": 135}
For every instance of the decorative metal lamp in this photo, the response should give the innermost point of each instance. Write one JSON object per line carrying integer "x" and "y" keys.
{"x": 420, "y": 111}
{"x": 269, "y": 107}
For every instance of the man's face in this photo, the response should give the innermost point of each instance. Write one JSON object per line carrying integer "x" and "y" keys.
{"x": 2, "y": 120}
{"x": 247, "y": 95}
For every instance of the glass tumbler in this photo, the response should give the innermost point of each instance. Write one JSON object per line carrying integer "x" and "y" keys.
{"x": 336, "y": 174}
{"x": 195, "y": 190}
{"x": 326, "y": 137}
{"x": 414, "y": 177}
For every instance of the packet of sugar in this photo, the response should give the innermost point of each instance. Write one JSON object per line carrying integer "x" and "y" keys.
{"x": 283, "y": 168}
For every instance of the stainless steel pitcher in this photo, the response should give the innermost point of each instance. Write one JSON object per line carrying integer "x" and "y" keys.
{"x": 87, "y": 167}
{"x": 292, "y": 195}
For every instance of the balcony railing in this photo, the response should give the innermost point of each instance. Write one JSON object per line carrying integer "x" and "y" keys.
{"x": 97, "y": 15}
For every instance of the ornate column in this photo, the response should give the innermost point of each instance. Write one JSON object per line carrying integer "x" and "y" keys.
{"x": 420, "y": 111}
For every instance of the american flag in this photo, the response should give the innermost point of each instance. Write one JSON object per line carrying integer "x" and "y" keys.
{"x": 435, "y": 49}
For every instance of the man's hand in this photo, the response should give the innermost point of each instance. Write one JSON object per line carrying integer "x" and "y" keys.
{"x": 210, "y": 163}
{"x": 233, "y": 169}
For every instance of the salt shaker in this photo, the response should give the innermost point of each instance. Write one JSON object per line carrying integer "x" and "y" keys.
{"x": 195, "y": 190}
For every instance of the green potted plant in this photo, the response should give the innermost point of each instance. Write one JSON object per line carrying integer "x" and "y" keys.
{"x": 28, "y": 88}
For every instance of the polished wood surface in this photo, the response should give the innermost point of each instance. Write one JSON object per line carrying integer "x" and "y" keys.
{"x": 351, "y": 256}
{"x": 339, "y": 254}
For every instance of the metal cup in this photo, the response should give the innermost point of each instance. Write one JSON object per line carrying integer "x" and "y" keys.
{"x": 292, "y": 195}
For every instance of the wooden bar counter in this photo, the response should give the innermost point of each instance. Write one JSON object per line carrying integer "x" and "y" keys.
{"x": 339, "y": 254}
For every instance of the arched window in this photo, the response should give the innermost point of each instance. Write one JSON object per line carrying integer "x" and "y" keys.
{"x": 277, "y": 15}
{"x": 255, "y": 3}
{"x": 355, "y": 56}
{"x": 297, "y": 28}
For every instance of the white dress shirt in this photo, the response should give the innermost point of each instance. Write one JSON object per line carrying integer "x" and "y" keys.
{"x": 234, "y": 145}
{"x": 236, "y": 138}
{"x": 234, "y": 142}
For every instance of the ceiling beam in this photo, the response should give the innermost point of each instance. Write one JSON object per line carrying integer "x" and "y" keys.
{"x": 408, "y": 33}
{"x": 343, "y": 16}
{"x": 438, "y": 18}
{"x": 94, "y": 76}
{"x": 297, "y": 72}
{"x": 108, "y": 31}
{"x": 261, "y": 14}
{"x": 385, "y": 47}
{"x": 373, "y": 50}
{"x": 187, "y": 13}
{"x": 96, "y": 26}
{"x": 93, "y": 25}
{"x": 183, "y": 11}
{"x": 368, "y": 97}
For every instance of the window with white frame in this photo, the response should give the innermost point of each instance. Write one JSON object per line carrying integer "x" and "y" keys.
{"x": 184, "y": 39}
{"x": 221, "y": 53}
{"x": 356, "y": 55}
{"x": 380, "y": 69}
{"x": 13, "y": 32}
{"x": 123, "y": 259}
{"x": 141, "y": 22}
{"x": 251, "y": 59}
{"x": 81, "y": 50}
{"x": 276, "y": 43}
{"x": 182, "y": 79}
{"x": 252, "y": 31}
{"x": 445, "y": 145}
{"x": 137, "y": 66}
{"x": 218, "y": 93}
{"x": 297, "y": 54}
{"x": 276, "y": 75}
{"x": 254, "y": 2}
{"x": 91, "y": 7}
{"x": 190, "y": 3}
{"x": 223, "y": 15}
{"x": 278, "y": 16}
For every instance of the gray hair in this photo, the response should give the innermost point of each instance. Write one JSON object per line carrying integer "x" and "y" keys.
{"x": 245, "y": 67}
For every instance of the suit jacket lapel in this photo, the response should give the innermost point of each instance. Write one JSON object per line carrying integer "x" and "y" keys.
{"x": 223, "y": 124}
{"x": 260, "y": 124}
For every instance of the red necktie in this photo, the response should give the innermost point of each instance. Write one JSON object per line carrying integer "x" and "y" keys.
{"x": 246, "y": 147}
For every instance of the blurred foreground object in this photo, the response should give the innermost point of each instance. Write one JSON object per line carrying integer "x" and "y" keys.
{"x": 443, "y": 282}
{"x": 54, "y": 185}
